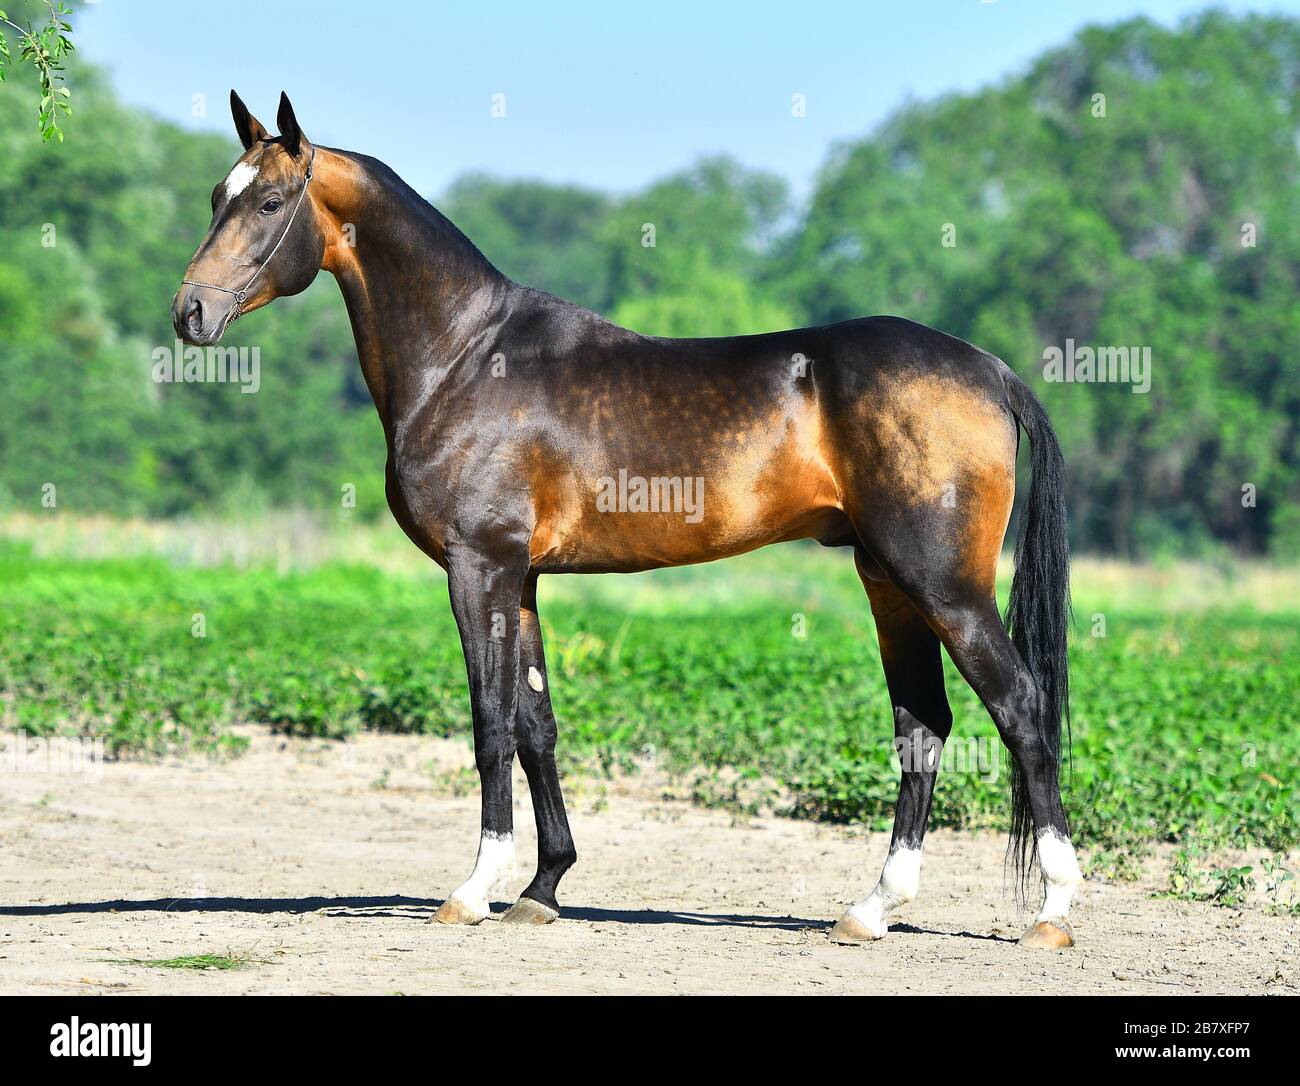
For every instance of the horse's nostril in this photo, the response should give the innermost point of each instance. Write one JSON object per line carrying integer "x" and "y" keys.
{"x": 194, "y": 316}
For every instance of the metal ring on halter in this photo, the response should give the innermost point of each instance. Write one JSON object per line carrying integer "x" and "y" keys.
{"x": 241, "y": 296}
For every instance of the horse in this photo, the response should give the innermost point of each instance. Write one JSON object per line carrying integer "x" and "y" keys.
{"x": 507, "y": 413}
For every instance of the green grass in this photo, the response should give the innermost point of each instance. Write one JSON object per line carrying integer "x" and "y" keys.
{"x": 186, "y": 961}
{"x": 1184, "y": 716}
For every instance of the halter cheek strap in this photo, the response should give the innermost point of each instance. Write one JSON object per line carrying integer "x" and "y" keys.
{"x": 241, "y": 295}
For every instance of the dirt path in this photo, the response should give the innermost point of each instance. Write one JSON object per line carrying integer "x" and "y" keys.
{"x": 322, "y": 861}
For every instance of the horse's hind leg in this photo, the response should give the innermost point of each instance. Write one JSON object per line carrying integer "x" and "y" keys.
{"x": 980, "y": 647}
{"x": 909, "y": 651}
{"x": 536, "y": 735}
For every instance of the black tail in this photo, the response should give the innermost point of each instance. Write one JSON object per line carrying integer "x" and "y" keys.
{"x": 1038, "y": 614}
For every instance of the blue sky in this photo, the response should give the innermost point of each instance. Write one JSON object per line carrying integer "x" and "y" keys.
{"x": 608, "y": 94}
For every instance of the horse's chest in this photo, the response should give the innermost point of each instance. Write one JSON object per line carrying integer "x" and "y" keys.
{"x": 421, "y": 519}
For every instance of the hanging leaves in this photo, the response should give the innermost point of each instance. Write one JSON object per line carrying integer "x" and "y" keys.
{"x": 45, "y": 49}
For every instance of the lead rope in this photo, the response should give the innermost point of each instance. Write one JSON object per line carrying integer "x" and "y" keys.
{"x": 241, "y": 296}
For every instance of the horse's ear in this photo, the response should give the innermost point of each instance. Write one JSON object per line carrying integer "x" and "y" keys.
{"x": 250, "y": 129}
{"x": 291, "y": 137}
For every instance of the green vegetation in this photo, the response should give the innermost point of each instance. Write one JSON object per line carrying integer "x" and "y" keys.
{"x": 45, "y": 46}
{"x": 1164, "y": 216}
{"x": 189, "y": 961}
{"x": 1169, "y": 222}
{"x": 1226, "y": 886}
{"x": 1182, "y": 722}
{"x": 1279, "y": 885}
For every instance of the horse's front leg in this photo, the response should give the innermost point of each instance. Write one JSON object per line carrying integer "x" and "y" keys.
{"x": 485, "y": 594}
{"x": 537, "y": 735}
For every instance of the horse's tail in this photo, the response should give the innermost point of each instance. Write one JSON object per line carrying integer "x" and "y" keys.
{"x": 1038, "y": 614}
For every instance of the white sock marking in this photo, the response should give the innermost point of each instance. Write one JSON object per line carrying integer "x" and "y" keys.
{"x": 1060, "y": 874}
{"x": 899, "y": 881}
{"x": 240, "y": 178}
{"x": 495, "y": 864}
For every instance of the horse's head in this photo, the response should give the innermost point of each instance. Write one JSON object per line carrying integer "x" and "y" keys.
{"x": 264, "y": 241}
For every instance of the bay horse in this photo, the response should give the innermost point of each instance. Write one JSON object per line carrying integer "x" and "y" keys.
{"x": 508, "y": 413}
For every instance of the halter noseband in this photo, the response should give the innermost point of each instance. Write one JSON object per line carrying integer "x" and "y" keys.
{"x": 241, "y": 295}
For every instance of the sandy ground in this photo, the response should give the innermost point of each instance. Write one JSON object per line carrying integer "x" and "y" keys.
{"x": 321, "y": 864}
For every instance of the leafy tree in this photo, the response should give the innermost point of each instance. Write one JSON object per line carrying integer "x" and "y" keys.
{"x": 1162, "y": 216}
{"x": 544, "y": 235}
{"x": 686, "y": 257}
{"x": 45, "y": 47}
{"x": 695, "y": 299}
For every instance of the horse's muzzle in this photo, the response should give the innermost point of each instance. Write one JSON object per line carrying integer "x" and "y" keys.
{"x": 200, "y": 314}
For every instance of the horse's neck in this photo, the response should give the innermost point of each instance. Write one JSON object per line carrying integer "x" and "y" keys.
{"x": 417, "y": 290}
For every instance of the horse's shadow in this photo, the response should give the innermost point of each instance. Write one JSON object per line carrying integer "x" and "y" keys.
{"x": 416, "y": 908}
{"x": 408, "y": 908}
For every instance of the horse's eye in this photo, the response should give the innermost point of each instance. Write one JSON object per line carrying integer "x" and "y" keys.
{"x": 271, "y": 206}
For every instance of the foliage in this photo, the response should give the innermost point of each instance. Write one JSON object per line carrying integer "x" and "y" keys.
{"x": 550, "y": 233}
{"x": 1279, "y": 885}
{"x": 45, "y": 47}
{"x": 93, "y": 242}
{"x": 192, "y": 961}
{"x": 1226, "y": 886}
{"x": 1169, "y": 222}
{"x": 1130, "y": 228}
{"x": 1182, "y": 722}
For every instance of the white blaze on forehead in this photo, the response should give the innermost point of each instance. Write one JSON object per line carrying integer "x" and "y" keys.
{"x": 240, "y": 178}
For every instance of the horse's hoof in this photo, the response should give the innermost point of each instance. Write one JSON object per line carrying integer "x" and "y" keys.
{"x": 849, "y": 931}
{"x": 528, "y": 911}
{"x": 454, "y": 911}
{"x": 1049, "y": 935}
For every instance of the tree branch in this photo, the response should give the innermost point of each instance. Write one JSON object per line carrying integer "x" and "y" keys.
{"x": 45, "y": 49}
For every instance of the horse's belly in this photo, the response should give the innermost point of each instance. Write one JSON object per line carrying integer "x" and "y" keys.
{"x": 629, "y": 544}
{"x": 735, "y": 500}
